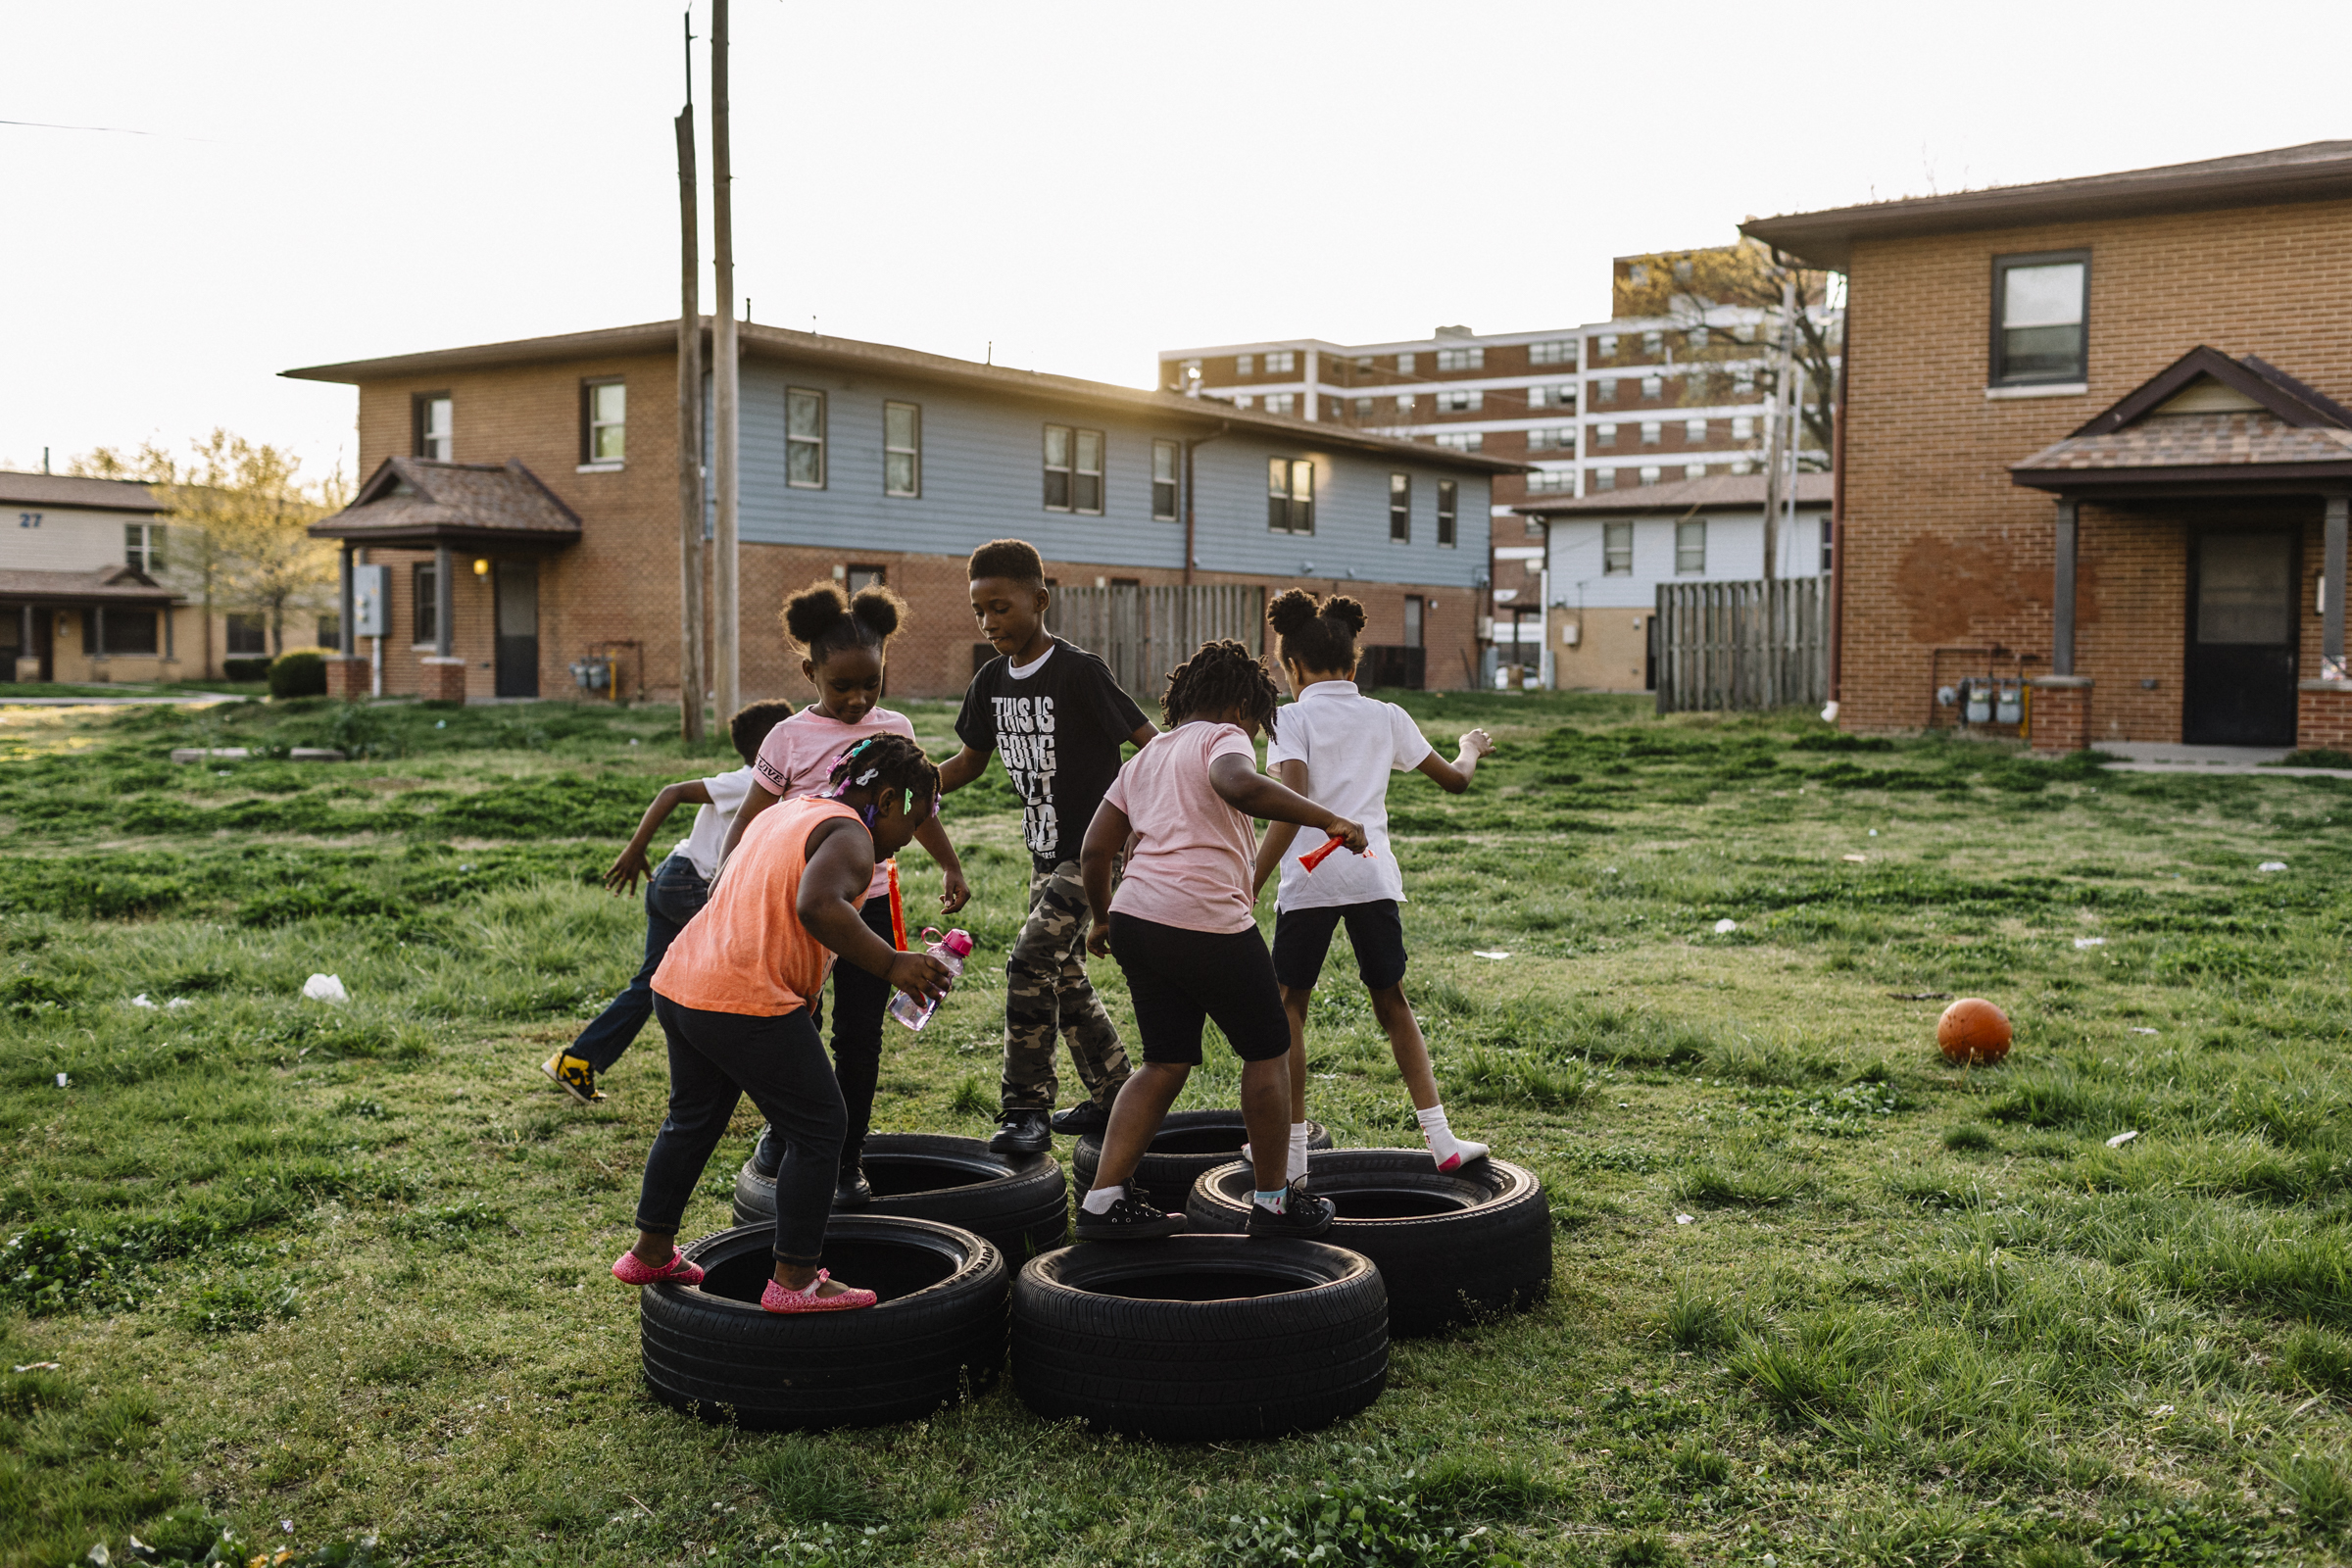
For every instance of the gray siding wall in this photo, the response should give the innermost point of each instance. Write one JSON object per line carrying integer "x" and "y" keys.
{"x": 984, "y": 478}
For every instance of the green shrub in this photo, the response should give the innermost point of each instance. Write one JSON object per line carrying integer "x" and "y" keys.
{"x": 300, "y": 672}
{"x": 1361, "y": 1524}
{"x": 245, "y": 670}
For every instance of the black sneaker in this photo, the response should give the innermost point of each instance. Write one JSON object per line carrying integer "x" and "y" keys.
{"x": 1022, "y": 1132}
{"x": 766, "y": 1157}
{"x": 1131, "y": 1218}
{"x": 1303, "y": 1215}
{"x": 1082, "y": 1118}
{"x": 853, "y": 1189}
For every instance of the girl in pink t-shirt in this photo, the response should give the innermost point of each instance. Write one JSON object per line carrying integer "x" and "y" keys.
{"x": 1183, "y": 932}
{"x": 842, "y": 642}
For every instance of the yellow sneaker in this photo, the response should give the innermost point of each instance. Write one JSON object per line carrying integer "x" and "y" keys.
{"x": 575, "y": 1074}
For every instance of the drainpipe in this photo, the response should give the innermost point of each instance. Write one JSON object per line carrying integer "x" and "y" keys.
{"x": 1845, "y": 376}
{"x": 1189, "y": 532}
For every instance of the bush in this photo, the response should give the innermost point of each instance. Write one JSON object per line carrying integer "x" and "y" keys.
{"x": 299, "y": 673}
{"x": 257, "y": 668}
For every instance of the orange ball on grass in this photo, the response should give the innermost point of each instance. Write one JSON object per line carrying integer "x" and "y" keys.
{"x": 1972, "y": 1029}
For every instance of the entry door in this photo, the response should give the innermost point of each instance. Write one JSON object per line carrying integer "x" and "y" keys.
{"x": 517, "y": 588}
{"x": 2240, "y": 686}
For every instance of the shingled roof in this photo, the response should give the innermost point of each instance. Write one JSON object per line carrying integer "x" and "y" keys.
{"x": 2206, "y": 421}
{"x": 421, "y": 501}
{"x": 74, "y": 490}
{"x": 119, "y": 583}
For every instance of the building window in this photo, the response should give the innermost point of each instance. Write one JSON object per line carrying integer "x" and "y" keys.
{"x": 1605, "y": 478}
{"x": 1449, "y": 497}
{"x": 1400, "y": 507}
{"x": 1653, "y": 386}
{"x": 860, "y": 578}
{"x": 1689, "y": 546}
{"x": 127, "y": 630}
{"x": 1461, "y": 359}
{"x": 1826, "y": 541}
{"x": 1558, "y": 438}
{"x": 1406, "y": 364}
{"x": 1073, "y": 470}
{"x": 1744, "y": 381}
{"x": 1559, "y": 351}
{"x": 424, "y": 609}
{"x": 250, "y": 634}
{"x": 1741, "y": 466}
{"x": 1552, "y": 482}
{"x": 1651, "y": 432}
{"x": 1604, "y": 435}
{"x": 432, "y": 415}
{"x": 1290, "y": 495}
{"x": 1616, "y": 550}
{"x": 330, "y": 631}
{"x": 2039, "y": 303}
{"x": 1164, "y": 462}
{"x": 1363, "y": 407}
{"x": 604, "y": 422}
{"x": 143, "y": 546}
{"x": 1460, "y": 401}
{"x": 1694, "y": 432}
{"x": 1245, "y": 401}
{"x": 1404, "y": 406}
{"x": 1697, "y": 337}
{"x": 901, "y": 449}
{"x": 1462, "y": 440}
{"x": 1653, "y": 344}
{"x": 805, "y": 438}
{"x": 1245, "y": 365}
{"x": 1412, "y": 620}
{"x": 1604, "y": 390}
{"x": 1743, "y": 429}
{"x": 1282, "y": 402}
{"x": 1695, "y": 470}
{"x": 1552, "y": 397}
{"x": 1608, "y": 345}
{"x": 1282, "y": 362}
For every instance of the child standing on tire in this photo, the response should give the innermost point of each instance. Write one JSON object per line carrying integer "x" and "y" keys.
{"x": 1058, "y": 719}
{"x": 675, "y": 892}
{"x": 1338, "y": 746}
{"x": 1182, "y": 929}
{"x": 842, "y": 642}
{"x": 734, "y": 997}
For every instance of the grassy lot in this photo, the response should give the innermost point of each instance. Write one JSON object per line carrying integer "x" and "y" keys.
{"x": 324, "y": 1273}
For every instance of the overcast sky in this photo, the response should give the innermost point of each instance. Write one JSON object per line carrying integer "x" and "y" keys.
{"x": 1080, "y": 184}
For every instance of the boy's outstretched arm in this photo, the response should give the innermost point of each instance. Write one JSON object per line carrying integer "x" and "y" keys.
{"x": 1106, "y": 837}
{"x": 622, "y": 876}
{"x": 955, "y": 892}
{"x": 1292, "y": 774}
{"x": 1246, "y": 789}
{"x": 1454, "y": 777}
{"x": 960, "y": 770}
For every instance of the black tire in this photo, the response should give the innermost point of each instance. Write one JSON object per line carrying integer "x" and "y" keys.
{"x": 1018, "y": 1201}
{"x": 1188, "y": 1145}
{"x": 1450, "y": 1248}
{"x": 938, "y": 1333}
{"x": 1197, "y": 1360}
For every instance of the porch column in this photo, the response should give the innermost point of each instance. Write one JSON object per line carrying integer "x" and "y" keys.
{"x": 98, "y": 633}
{"x": 445, "y": 600}
{"x": 2331, "y": 620}
{"x": 2062, "y": 592}
{"x": 345, "y": 643}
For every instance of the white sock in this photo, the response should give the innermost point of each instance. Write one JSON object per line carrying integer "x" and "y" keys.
{"x": 1100, "y": 1199}
{"x": 1273, "y": 1201}
{"x": 1298, "y": 1166}
{"x": 1442, "y": 1145}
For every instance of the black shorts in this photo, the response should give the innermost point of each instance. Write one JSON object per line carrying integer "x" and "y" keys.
{"x": 1301, "y": 936}
{"x": 1176, "y": 978}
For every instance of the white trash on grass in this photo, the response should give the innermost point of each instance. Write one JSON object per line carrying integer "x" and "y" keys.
{"x": 64, "y": 1082}
{"x": 1682, "y": 1219}
{"x": 174, "y": 1005}
{"x": 2121, "y": 1139}
{"x": 2089, "y": 942}
{"x": 2271, "y": 866}
{"x": 2141, "y": 1030}
{"x": 1725, "y": 927}
{"x": 325, "y": 987}
{"x": 1483, "y": 953}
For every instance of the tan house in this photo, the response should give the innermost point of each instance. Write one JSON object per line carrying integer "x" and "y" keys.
{"x": 2096, "y": 443}
{"x": 79, "y": 598}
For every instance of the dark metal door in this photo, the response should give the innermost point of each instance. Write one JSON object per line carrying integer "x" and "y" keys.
{"x": 2239, "y": 688}
{"x": 517, "y": 588}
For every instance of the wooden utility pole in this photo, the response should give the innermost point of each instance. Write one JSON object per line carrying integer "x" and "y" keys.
{"x": 724, "y": 384}
{"x": 1779, "y": 445}
{"x": 691, "y": 676}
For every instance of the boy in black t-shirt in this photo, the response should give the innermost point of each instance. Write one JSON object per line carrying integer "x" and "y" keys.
{"x": 1058, "y": 719}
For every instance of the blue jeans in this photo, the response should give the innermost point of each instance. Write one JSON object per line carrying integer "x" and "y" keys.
{"x": 673, "y": 895}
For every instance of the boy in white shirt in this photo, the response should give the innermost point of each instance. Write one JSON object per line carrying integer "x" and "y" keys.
{"x": 1338, "y": 746}
{"x": 675, "y": 893}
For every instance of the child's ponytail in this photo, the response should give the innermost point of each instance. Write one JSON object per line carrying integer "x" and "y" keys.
{"x": 824, "y": 620}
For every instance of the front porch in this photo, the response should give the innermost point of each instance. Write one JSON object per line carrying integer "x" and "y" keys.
{"x": 2195, "y": 521}
{"x": 89, "y": 627}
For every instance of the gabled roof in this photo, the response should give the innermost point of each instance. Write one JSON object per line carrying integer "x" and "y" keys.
{"x": 71, "y": 490}
{"x": 1717, "y": 492}
{"x": 2206, "y": 422}
{"x": 119, "y": 583}
{"x": 1191, "y": 415}
{"x": 421, "y": 501}
{"x": 2317, "y": 170}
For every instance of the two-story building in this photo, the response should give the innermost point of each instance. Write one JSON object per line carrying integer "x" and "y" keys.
{"x": 79, "y": 596}
{"x": 525, "y": 496}
{"x": 2096, "y": 431}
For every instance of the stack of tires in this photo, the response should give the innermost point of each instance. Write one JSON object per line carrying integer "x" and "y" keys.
{"x": 1018, "y": 1201}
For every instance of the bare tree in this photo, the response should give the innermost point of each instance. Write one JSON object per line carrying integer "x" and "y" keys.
{"x": 1685, "y": 286}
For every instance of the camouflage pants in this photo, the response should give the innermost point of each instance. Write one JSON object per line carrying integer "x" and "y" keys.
{"x": 1046, "y": 992}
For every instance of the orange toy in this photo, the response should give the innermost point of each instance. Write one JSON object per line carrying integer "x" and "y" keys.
{"x": 1972, "y": 1029}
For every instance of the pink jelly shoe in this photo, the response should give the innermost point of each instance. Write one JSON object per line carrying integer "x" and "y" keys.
{"x": 630, "y": 1269}
{"x": 779, "y": 1297}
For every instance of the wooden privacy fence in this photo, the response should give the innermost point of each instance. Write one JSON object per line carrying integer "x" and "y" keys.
{"x": 1742, "y": 644}
{"x": 1142, "y": 633}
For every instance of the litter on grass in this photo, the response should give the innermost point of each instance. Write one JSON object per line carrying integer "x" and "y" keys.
{"x": 38, "y": 1367}
{"x": 1482, "y": 953}
{"x": 1858, "y": 860}
{"x": 325, "y": 987}
{"x": 2121, "y": 1139}
{"x": 2138, "y": 1029}
{"x": 2089, "y": 942}
{"x": 64, "y": 1082}
{"x": 1725, "y": 927}
{"x": 1682, "y": 1219}
{"x": 176, "y": 1002}
{"x": 2271, "y": 866}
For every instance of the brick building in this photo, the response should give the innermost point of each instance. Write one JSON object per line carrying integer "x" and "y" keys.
{"x": 2094, "y": 432}
{"x": 527, "y": 522}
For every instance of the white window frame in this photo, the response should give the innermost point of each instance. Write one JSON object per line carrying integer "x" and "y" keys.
{"x": 436, "y": 426}
{"x": 1282, "y": 402}
{"x": 1400, "y": 509}
{"x": 1245, "y": 365}
{"x": 1282, "y": 362}
{"x": 796, "y": 398}
{"x": 1607, "y": 342}
{"x": 1604, "y": 389}
{"x": 1167, "y": 470}
{"x": 1690, "y": 547}
{"x": 1462, "y": 359}
{"x": 1450, "y": 505}
{"x": 1286, "y": 478}
{"x": 1463, "y": 401}
{"x": 910, "y": 450}
{"x": 1556, "y": 351}
{"x": 1653, "y": 386}
{"x": 1617, "y": 550}
{"x": 142, "y": 544}
{"x": 1462, "y": 440}
{"x": 596, "y": 423}
{"x": 1651, "y": 472}
{"x": 1744, "y": 428}
{"x": 1406, "y": 364}
{"x": 1653, "y": 432}
{"x": 1653, "y": 344}
{"x": 1552, "y": 438}
{"x": 1604, "y": 435}
{"x": 1695, "y": 470}
{"x": 1605, "y": 478}
{"x": 1695, "y": 430}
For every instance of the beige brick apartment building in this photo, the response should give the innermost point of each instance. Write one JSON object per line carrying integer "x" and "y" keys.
{"x": 2096, "y": 435}
{"x": 522, "y": 507}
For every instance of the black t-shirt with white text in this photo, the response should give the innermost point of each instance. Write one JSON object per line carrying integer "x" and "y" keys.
{"x": 1059, "y": 729}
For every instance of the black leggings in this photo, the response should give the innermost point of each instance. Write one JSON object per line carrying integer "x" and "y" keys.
{"x": 1178, "y": 978}
{"x": 858, "y": 1002}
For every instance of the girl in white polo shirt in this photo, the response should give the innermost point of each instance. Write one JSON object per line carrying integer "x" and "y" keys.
{"x": 1338, "y": 746}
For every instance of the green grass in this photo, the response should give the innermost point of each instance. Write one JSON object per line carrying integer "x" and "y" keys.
{"x": 1819, "y": 1296}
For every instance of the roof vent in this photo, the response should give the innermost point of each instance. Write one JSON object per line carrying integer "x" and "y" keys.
{"x": 1455, "y": 331}
{"x": 2205, "y": 395}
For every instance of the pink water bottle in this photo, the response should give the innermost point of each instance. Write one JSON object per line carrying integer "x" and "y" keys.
{"x": 951, "y": 950}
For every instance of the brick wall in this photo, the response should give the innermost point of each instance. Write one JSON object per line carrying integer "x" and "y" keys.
{"x": 1941, "y": 550}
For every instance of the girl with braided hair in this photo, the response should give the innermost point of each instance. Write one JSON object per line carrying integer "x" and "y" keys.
{"x": 842, "y": 640}
{"x": 1182, "y": 929}
{"x": 734, "y": 997}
